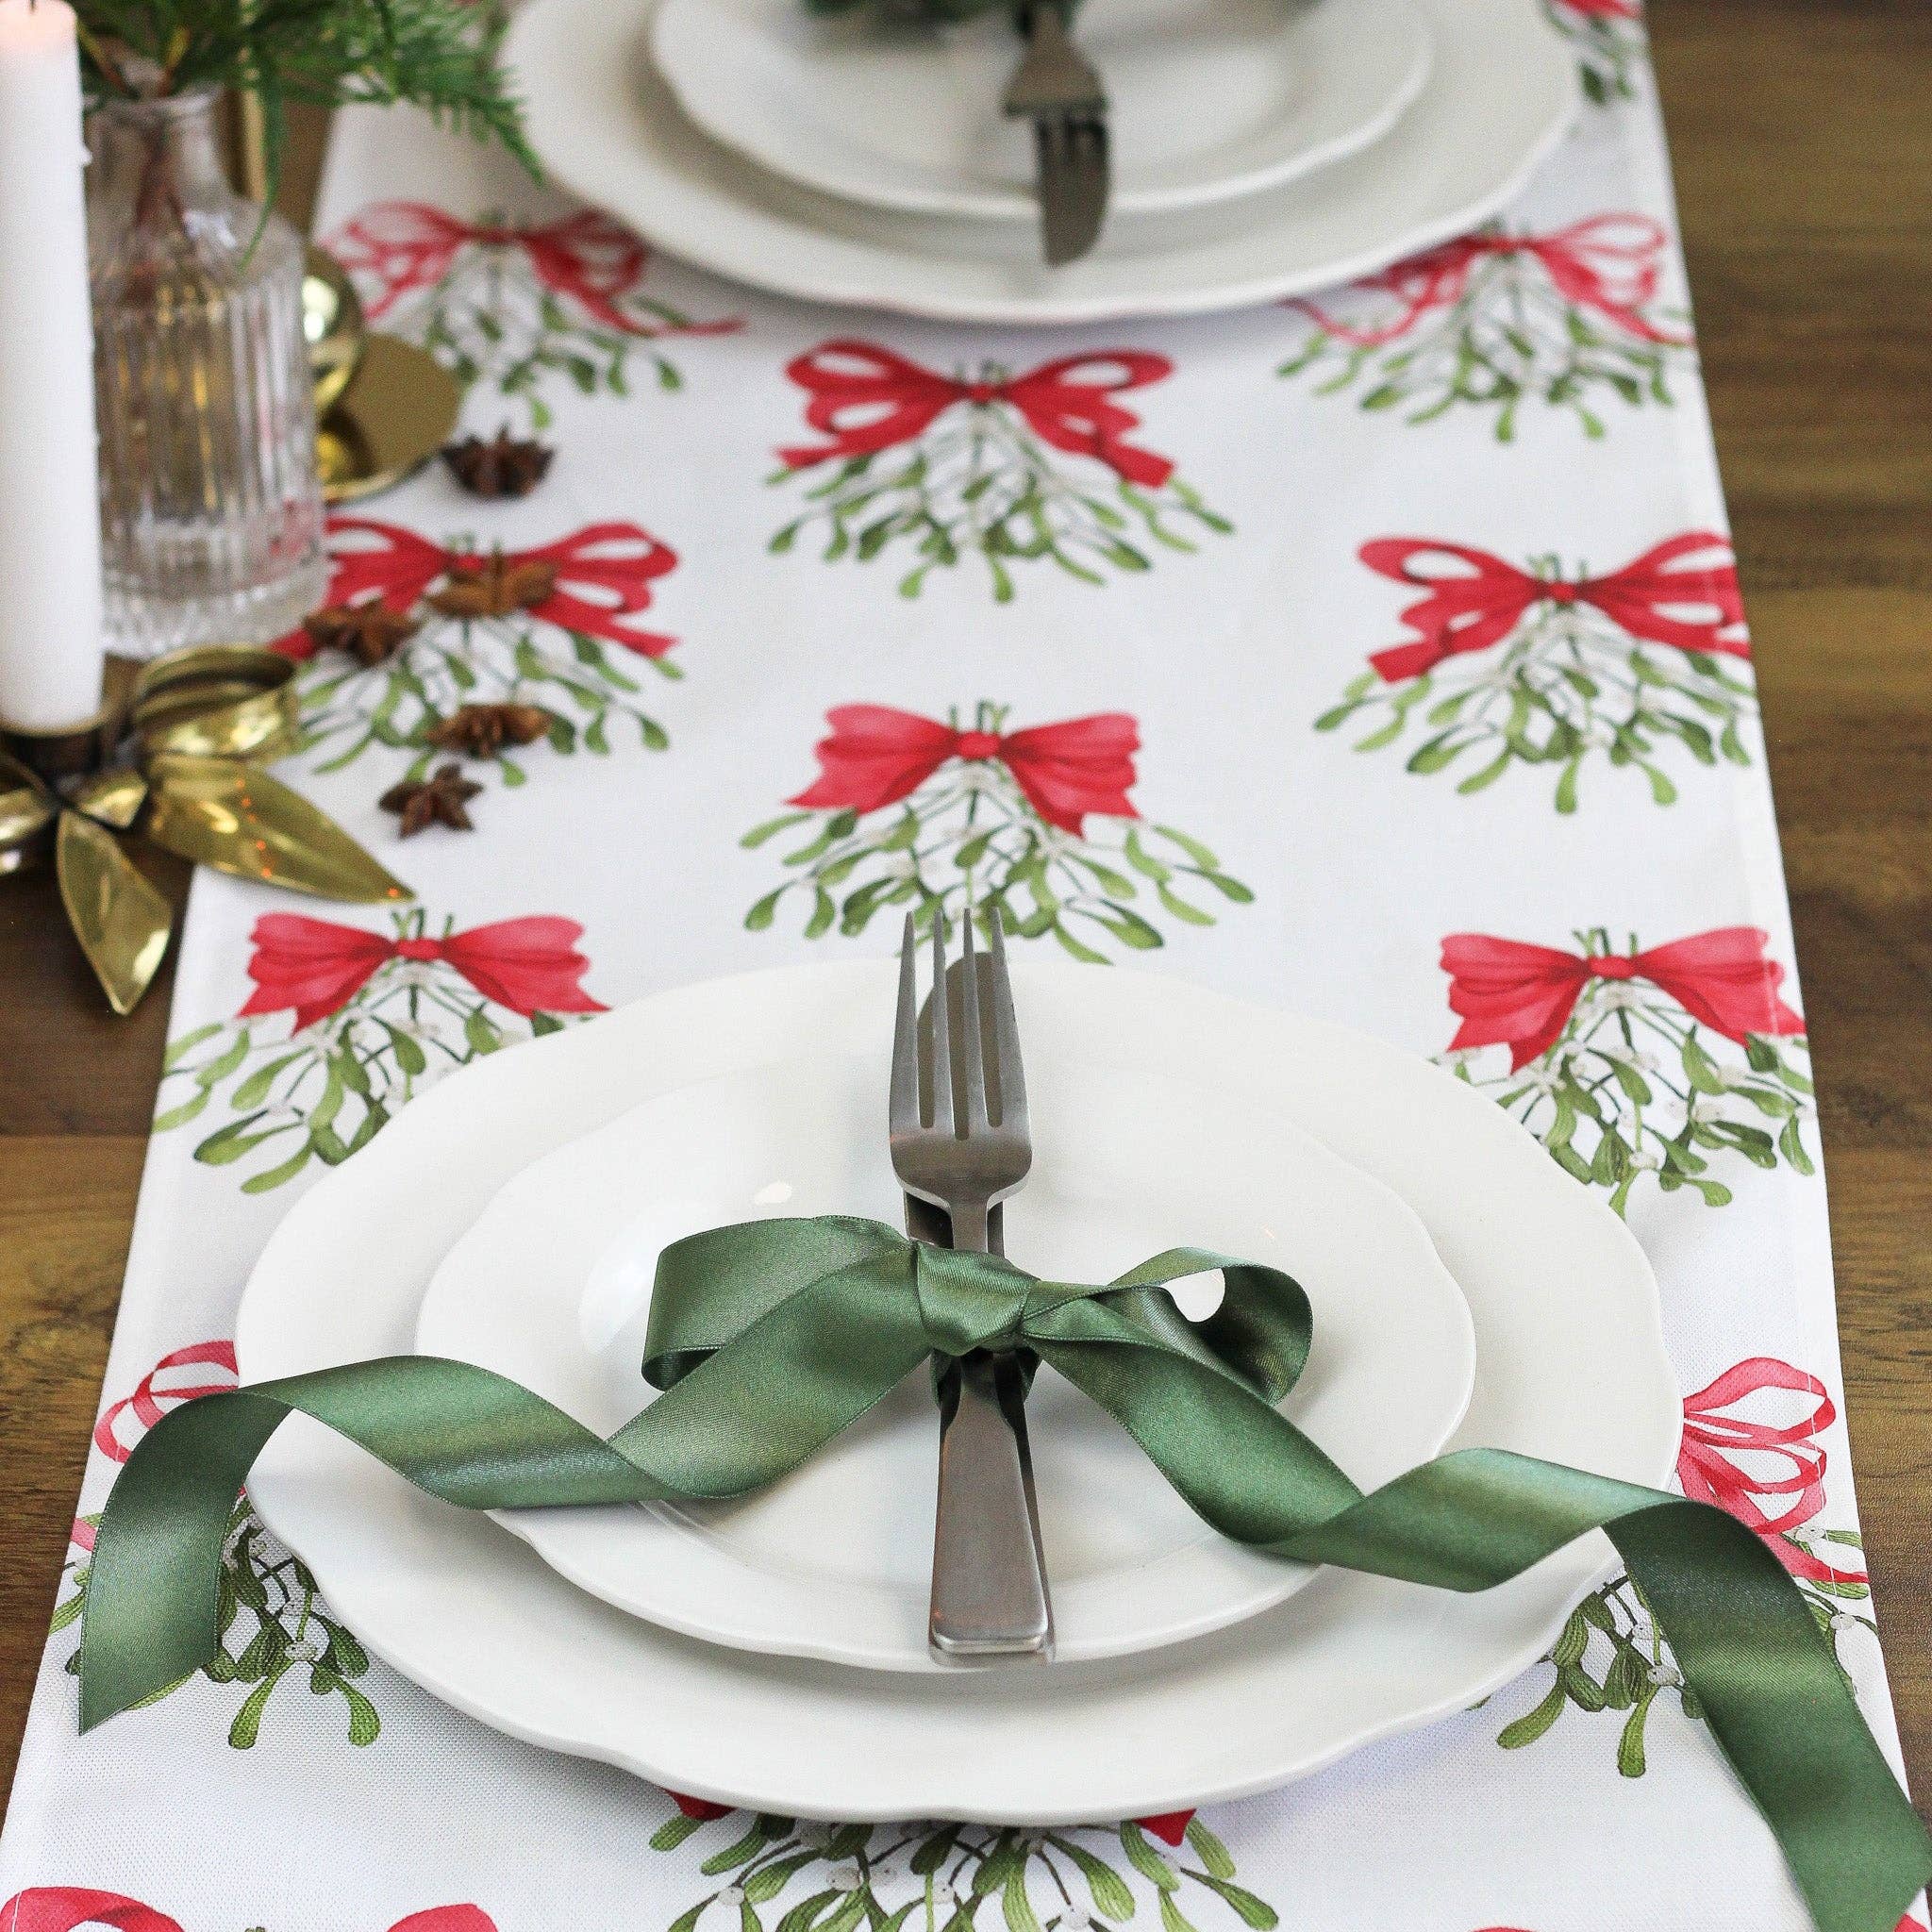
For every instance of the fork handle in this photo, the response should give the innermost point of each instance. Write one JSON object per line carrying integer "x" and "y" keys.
{"x": 989, "y": 1573}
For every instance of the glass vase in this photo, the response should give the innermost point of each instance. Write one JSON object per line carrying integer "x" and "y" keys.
{"x": 212, "y": 513}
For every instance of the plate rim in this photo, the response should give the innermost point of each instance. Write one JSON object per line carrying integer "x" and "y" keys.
{"x": 990, "y": 203}
{"x": 877, "y": 280}
{"x": 1157, "y": 1789}
{"x": 1267, "y": 1583}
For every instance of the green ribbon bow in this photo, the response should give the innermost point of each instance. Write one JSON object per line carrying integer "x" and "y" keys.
{"x": 769, "y": 1338}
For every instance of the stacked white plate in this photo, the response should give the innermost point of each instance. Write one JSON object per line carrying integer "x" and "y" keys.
{"x": 1263, "y": 148}
{"x": 771, "y": 1652}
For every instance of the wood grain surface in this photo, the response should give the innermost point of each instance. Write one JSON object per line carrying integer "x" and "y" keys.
{"x": 1802, "y": 133}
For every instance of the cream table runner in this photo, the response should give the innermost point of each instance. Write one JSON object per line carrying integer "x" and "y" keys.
{"x": 1426, "y": 704}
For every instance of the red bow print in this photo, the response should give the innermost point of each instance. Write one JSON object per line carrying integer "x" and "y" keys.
{"x": 315, "y": 966}
{"x": 1170, "y": 1827}
{"x": 1784, "y": 1464}
{"x": 66, "y": 1907}
{"x": 866, "y": 398}
{"x": 877, "y": 756}
{"x": 1603, "y": 9}
{"x": 604, "y": 575}
{"x": 179, "y": 1377}
{"x": 1607, "y": 264}
{"x": 405, "y": 246}
{"x": 1682, "y": 592}
{"x": 1524, "y": 994}
{"x": 703, "y": 1810}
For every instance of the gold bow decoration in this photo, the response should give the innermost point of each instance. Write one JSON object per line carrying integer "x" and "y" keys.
{"x": 180, "y": 764}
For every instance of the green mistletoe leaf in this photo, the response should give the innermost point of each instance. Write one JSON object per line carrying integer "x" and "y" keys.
{"x": 186, "y": 1111}
{"x": 1213, "y": 1853}
{"x": 275, "y": 1176}
{"x": 738, "y": 1853}
{"x": 1113, "y": 1896}
{"x": 178, "y": 1049}
{"x": 1145, "y": 1859}
{"x": 1535, "y": 1724}
{"x": 1016, "y": 1905}
{"x": 1254, "y": 1912}
{"x": 674, "y": 1831}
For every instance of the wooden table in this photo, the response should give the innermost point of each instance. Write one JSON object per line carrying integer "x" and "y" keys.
{"x": 1803, "y": 137}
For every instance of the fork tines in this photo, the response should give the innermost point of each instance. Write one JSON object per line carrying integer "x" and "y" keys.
{"x": 973, "y": 1085}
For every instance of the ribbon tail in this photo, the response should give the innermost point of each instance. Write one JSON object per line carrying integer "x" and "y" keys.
{"x": 1856, "y": 1849}
{"x": 1400, "y": 663}
{"x": 1742, "y": 1634}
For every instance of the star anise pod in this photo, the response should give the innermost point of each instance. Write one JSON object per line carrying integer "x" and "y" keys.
{"x": 495, "y": 586}
{"x": 438, "y": 800}
{"x": 504, "y": 466}
{"x": 372, "y": 633}
{"x": 481, "y": 731}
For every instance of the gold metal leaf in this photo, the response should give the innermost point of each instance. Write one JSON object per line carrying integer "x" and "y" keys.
{"x": 111, "y": 798}
{"x": 218, "y": 699}
{"x": 239, "y": 820}
{"x": 26, "y": 816}
{"x": 120, "y": 920}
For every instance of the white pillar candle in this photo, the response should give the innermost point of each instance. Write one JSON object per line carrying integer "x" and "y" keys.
{"x": 52, "y": 645}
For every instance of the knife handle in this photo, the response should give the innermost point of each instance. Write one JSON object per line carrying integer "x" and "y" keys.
{"x": 989, "y": 1581}
{"x": 989, "y": 1571}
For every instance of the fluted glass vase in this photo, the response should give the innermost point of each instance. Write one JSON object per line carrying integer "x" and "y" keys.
{"x": 212, "y": 515}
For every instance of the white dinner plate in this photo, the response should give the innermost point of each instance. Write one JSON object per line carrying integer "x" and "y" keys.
{"x": 553, "y": 1288}
{"x": 1500, "y": 93}
{"x": 1208, "y": 100}
{"x": 1570, "y": 1364}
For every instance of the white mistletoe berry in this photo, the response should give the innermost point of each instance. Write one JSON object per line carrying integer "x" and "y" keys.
{"x": 980, "y": 775}
{"x": 944, "y": 1896}
{"x": 1646, "y": 1160}
{"x": 732, "y": 1897}
{"x": 308, "y": 1650}
{"x": 1842, "y": 1621}
{"x": 1074, "y": 1920}
{"x": 814, "y": 1835}
{"x": 1666, "y": 1677}
{"x": 1616, "y": 995}
{"x": 845, "y": 1876}
{"x": 1631, "y": 1057}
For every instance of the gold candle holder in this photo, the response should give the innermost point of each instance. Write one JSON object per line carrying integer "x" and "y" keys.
{"x": 174, "y": 757}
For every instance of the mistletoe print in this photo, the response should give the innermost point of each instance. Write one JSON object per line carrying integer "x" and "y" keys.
{"x": 912, "y": 815}
{"x": 435, "y": 651}
{"x": 1508, "y": 668}
{"x": 939, "y": 469}
{"x": 68, "y": 1907}
{"x": 1750, "y": 1445}
{"x": 272, "y": 1628}
{"x": 374, "y": 1018}
{"x": 513, "y": 307}
{"x": 1568, "y": 319}
{"x": 1658, "y": 1064}
{"x": 938, "y": 1877}
{"x": 1608, "y": 36}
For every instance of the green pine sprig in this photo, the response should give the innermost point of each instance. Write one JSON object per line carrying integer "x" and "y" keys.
{"x": 441, "y": 55}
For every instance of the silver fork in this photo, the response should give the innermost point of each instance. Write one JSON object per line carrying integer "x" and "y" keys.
{"x": 1059, "y": 90}
{"x": 959, "y": 1141}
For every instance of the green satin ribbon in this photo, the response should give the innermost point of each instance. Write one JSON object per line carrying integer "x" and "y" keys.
{"x": 769, "y": 1338}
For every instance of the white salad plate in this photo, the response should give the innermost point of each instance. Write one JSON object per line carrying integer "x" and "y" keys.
{"x": 553, "y": 1284}
{"x": 1208, "y": 100}
{"x": 1570, "y": 1365}
{"x": 1501, "y": 90}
